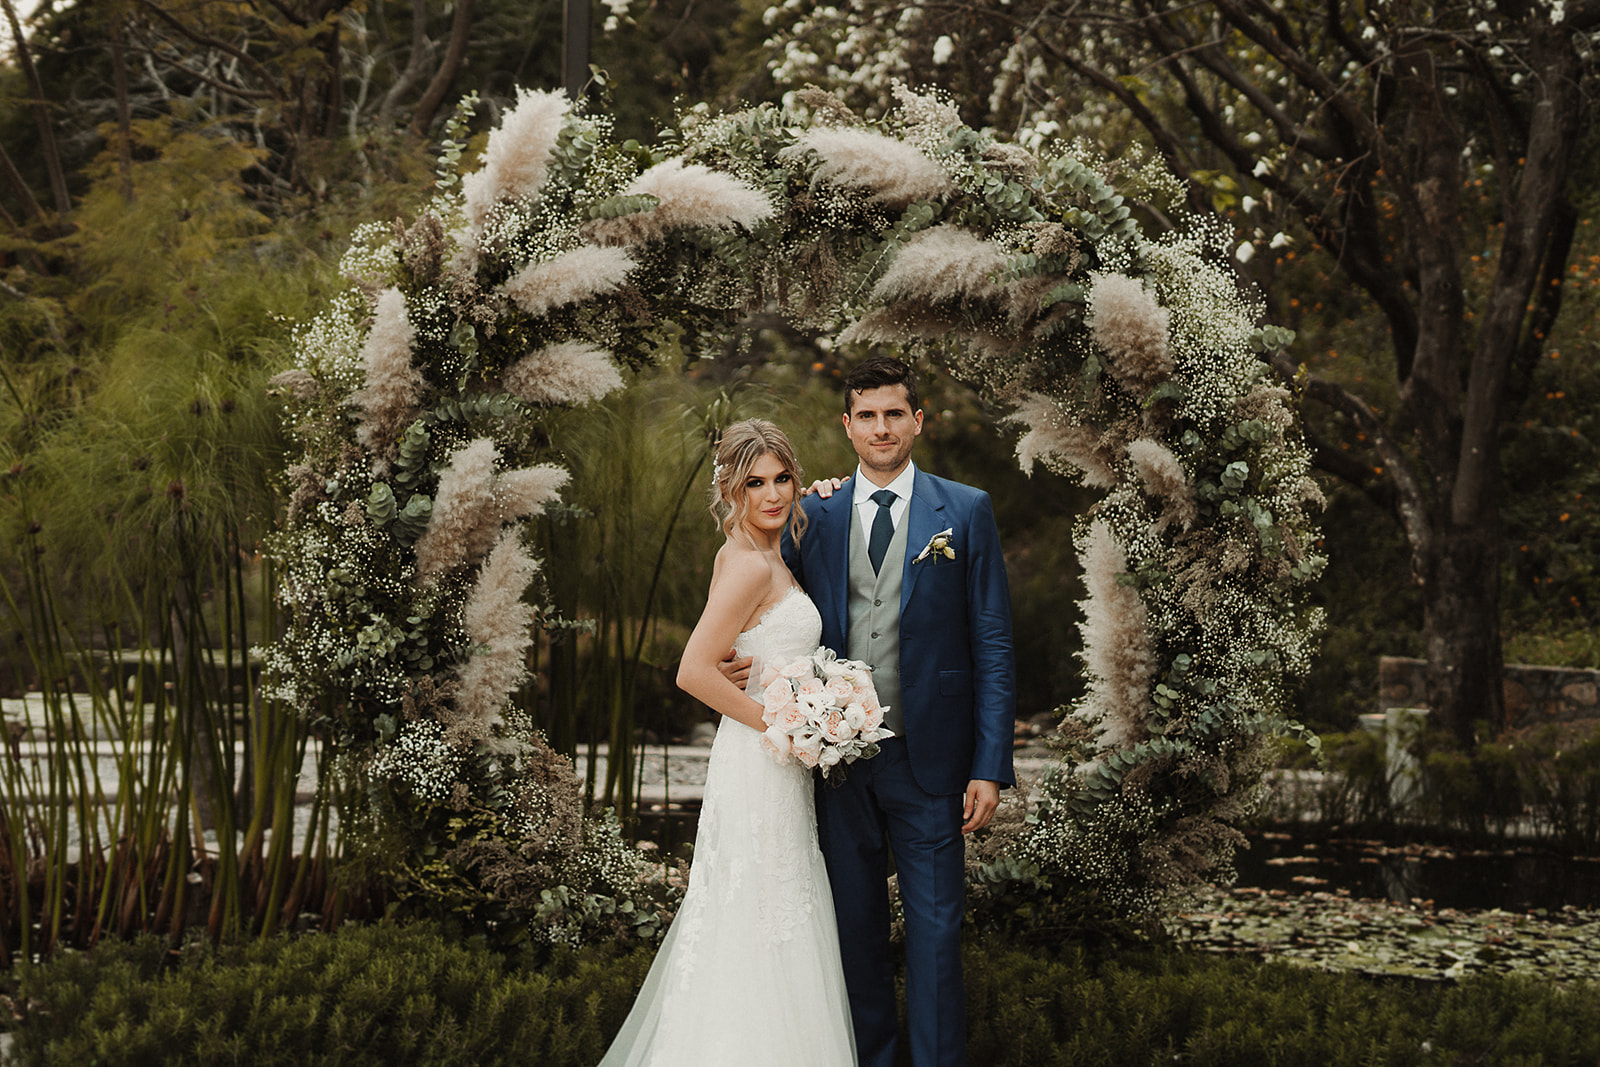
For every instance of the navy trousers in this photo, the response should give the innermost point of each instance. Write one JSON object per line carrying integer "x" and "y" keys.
{"x": 880, "y": 800}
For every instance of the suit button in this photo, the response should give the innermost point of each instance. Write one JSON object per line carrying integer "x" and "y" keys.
{"x": 874, "y": 637}
{"x": 877, "y": 603}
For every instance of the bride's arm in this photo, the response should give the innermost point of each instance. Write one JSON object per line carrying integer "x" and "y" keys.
{"x": 745, "y": 580}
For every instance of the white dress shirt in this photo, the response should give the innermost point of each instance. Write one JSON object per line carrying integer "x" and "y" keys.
{"x": 867, "y": 508}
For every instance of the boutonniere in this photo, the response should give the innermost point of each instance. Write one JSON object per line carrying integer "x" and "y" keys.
{"x": 938, "y": 545}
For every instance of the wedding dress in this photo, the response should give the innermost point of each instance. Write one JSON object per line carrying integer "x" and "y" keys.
{"x": 749, "y": 974}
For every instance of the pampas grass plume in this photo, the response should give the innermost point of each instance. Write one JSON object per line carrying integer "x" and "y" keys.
{"x": 895, "y": 173}
{"x": 393, "y": 387}
{"x": 462, "y": 505}
{"x": 1116, "y": 645}
{"x": 1164, "y": 478}
{"x": 568, "y": 278}
{"x": 499, "y": 631}
{"x": 945, "y": 263}
{"x": 571, "y": 372}
{"x": 1052, "y": 435}
{"x": 514, "y": 495}
{"x": 692, "y": 196}
{"x": 517, "y": 158}
{"x": 905, "y": 321}
{"x": 1126, "y": 321}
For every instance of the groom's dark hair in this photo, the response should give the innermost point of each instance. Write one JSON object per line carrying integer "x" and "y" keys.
{"x": 876, "y": 371}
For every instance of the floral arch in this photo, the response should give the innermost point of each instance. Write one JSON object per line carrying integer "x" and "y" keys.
{"x": 1130, "y": 362}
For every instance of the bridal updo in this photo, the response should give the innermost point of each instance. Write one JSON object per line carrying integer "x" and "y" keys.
{"x": 740, "y": 446}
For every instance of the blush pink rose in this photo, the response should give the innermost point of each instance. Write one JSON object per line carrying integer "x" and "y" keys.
{"x": 810, "y": 686}
{"x": 776, "y": 695}
{"x": 791, "y": 717}
{"x": 840, "y": 690}
{"x": 777, "y": 743}
{"x": 834, "y": 727}
{"x": 865, "y": 695}
{"x": 798, "y": 668}
{"x": 874, "y": 719}
{"x": 808, "y": 749}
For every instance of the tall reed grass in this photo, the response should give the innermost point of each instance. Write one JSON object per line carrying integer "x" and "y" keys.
{"x": 144, "y": 786}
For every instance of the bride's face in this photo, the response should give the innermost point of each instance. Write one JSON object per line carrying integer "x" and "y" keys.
{"x": 769, "y": 495}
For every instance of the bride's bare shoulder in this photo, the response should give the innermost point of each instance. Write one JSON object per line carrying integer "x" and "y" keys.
{"x": 739, "y": 566}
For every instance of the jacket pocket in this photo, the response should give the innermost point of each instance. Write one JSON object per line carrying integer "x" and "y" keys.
{"x": 955, "y": 683}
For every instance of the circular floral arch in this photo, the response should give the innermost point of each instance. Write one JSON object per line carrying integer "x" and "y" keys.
{"x": 1129, "y": 361}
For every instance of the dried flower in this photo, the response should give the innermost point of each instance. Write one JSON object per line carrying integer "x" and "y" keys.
{"x": 499, "y": 628}
{"x": 895, "y": 173}
{"x": 1164, "y": 478}
{"x": 691, "y": 196}
{"x": 570, "y": 277}
{"x": 388, "y": 401}
{"x": 572, "y": 372}
{"x": 294, "y": 381}
{"x": 463, "y": 505}
{"x": 1126, "y": 321}
{"x": 944, "y": 263}
{"x": 517, "y": 157}
{"x": 1117, "y": 653}
{"x": 1053, "y": 435}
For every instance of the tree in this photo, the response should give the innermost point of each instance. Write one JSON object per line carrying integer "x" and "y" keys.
{"x": 1398, "y": 140}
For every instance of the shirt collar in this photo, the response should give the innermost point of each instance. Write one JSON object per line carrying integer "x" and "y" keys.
{"x": 901, "y": 486}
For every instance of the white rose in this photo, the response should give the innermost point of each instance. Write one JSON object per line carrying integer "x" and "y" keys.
{"x": 855, "y": 716}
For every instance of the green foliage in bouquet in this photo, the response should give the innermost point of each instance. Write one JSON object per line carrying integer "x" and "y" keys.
{"x": 528, "y": 284}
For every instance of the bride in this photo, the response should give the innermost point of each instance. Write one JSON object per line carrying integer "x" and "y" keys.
{"x": 749, "y": 973}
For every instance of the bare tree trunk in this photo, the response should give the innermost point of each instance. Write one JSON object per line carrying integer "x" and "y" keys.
{"x": 454, "y": 56}
{"x": 41, "y": 105}
{"x": 415, "y": 63}
{"x": 19, "y": 186}
{"x": 119, "y": 76}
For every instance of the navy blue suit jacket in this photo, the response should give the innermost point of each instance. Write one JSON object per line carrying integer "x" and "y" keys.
{"x": 957, "y": 668}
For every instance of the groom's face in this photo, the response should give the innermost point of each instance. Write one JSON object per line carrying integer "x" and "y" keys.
{"x": 882, "y": 427}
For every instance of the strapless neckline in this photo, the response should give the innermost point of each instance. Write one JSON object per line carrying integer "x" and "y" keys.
{"x": 765, "y": 615}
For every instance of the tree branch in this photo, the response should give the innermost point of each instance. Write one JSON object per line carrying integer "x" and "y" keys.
{"x": 1410, "y": 504}
{"x": 273, "y": 88}
{"x": 41, "y": 110}
{"x": 455, "y": 54}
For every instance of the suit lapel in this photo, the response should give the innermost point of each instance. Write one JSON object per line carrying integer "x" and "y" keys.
{"x": 926, "y": 516}
{"x": 833, "y": 536}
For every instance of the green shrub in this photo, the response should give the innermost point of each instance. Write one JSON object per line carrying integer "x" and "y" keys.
{"x": 404, "y": 995}
{"x": 376, "y": 995}
{"x": 1163, "y": 1006}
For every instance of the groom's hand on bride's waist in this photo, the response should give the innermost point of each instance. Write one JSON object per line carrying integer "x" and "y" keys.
{"x": 983, "y": 797}
{"x": 735, "y": 668}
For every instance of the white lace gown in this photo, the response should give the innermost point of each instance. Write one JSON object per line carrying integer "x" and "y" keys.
{"x": 749, "y": 973}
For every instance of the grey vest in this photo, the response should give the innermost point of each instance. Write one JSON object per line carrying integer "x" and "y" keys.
{"x": 873, "y": 626}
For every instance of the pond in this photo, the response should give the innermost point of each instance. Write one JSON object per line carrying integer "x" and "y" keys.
{"x": 1512, "y": 879}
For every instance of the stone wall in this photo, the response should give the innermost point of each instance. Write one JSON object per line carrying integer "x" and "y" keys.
{"x": 1533, "y": 695}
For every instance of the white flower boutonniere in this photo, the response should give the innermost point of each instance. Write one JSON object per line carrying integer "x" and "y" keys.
{"x": 938, "y": 545}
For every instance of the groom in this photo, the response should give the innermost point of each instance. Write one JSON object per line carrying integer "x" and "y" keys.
{"x": 907, "y": 572}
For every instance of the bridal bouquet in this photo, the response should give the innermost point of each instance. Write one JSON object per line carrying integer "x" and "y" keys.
{"x": 821, "y": 711}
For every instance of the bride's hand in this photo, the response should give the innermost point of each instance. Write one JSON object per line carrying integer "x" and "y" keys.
{"x": 823, "y": 487}
{"x": 734, "y": 669}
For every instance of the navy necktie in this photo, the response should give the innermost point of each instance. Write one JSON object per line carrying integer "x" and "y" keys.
{"x": 882, "y": 529}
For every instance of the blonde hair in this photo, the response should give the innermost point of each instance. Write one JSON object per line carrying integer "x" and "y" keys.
{"x": 740, "y": 446}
